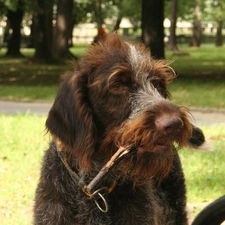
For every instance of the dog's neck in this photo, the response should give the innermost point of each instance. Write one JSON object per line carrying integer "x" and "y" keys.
{"x": 90, "y": 189}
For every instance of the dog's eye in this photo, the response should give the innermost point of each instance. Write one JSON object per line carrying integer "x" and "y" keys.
{"x": 118, "y": 87}
{"x": 156, "y": 83}
{"x": 160, "y": 86}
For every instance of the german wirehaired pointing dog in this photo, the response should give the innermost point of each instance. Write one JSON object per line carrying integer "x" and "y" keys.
{"x": 113, "y": 158}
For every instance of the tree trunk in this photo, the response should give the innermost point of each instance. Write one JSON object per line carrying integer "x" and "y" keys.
{"x": 152, "y": 26}
{"x": 43, "y": 42}
{"x": 98, "y": 14}
{"x": 173, "y": 24}
{"x": 15, "y": 19}
{"x": 63, "y": 29}
{"x": 197, "y": 28}
{"x": 219, "y": 36}
{"x": 118, "y": 21}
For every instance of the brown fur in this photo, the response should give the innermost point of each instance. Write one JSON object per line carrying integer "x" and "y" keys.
{"x": 117, "y": 96}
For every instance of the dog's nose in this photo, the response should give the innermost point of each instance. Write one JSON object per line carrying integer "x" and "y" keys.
{"x": 169, "y": 125}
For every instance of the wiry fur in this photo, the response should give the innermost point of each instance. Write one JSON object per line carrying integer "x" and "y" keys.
{"x": 117, "y": 96}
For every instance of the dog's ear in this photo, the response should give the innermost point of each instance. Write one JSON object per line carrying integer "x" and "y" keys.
{"x": 197, "y": 139}
{"x": 70, "y": 119}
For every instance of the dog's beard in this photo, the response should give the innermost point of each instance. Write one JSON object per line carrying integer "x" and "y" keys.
{"x": 151, "y": 156}
{"x": 140, "y": 167}
{"x": 153, "y": 151}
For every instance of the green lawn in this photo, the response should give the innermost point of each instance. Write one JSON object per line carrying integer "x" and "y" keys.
{"x": 199, "y": 61}
{"x": 204, "y": 170}
{"x": 200, "y": 81}
{"x": 199, "y": 92}
{"x": 201, "y": 77}
{"x": 22, "y": 144}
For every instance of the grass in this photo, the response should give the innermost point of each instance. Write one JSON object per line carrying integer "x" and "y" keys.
{"x": 22, "y": 145}
{"x": 199, "y": 91}
{"x": 200, "y": 81}
{"x": 201, "y": 77}
{"x": 204, "y": 171}
{"x": 202, "y": 61}
{"x": 25, "y": 80}
{"x": 28, "y": 93}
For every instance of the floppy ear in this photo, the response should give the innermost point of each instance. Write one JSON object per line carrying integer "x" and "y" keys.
{"x": 197, "y": 139}
{"x": 70, "y": 119}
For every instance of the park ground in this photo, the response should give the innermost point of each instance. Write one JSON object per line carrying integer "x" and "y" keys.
{"x": 200, "y": 85}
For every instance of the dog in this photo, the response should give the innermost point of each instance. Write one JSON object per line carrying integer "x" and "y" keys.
{"x": 113, "y": 157}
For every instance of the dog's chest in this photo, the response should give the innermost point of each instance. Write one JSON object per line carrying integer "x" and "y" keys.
{"x": 137, "y": 206}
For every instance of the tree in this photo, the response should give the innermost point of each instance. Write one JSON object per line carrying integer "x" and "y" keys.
{"x": 98, "y": 14}
{"x": 120, "y": 15}
{"x": 214, "y": 13}
{"x": 104, "y": 9}
{"x": 173, "y": 21}
{"x": 14, "y": 10}
{"x": 97, "y": 11}
{"x": 152, "y": 26}
{"x": 43, "y": 30}
{"x": 219, "y": 20}
{"x": 62, "y": 29}
{"x": 130, "y": 9}
{"x": 197, "y": 26}
{"x": 15, "y": 18}
{"x": 118, "y": 22}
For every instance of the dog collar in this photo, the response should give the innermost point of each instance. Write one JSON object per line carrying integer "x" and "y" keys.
{"x": 62, "y": 155}
{"x": 98, "y": 194}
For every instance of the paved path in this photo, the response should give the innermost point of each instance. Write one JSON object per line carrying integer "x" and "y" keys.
{"x": 40, "y": 108}
{"x": 208, "y": 116}
{"x": 202, "y": 116}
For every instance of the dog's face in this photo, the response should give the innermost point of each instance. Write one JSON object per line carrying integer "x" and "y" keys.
{"x": 116, "y": 72}
{"x": 118, "y": 96}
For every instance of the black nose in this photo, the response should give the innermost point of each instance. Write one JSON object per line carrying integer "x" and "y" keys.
{"x": 169, "y": 125}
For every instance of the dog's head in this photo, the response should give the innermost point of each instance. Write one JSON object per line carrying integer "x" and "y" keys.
{"x": 118, "y": 96}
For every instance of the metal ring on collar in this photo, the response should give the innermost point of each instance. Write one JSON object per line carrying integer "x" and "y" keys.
{"x": 104, "y": 210}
